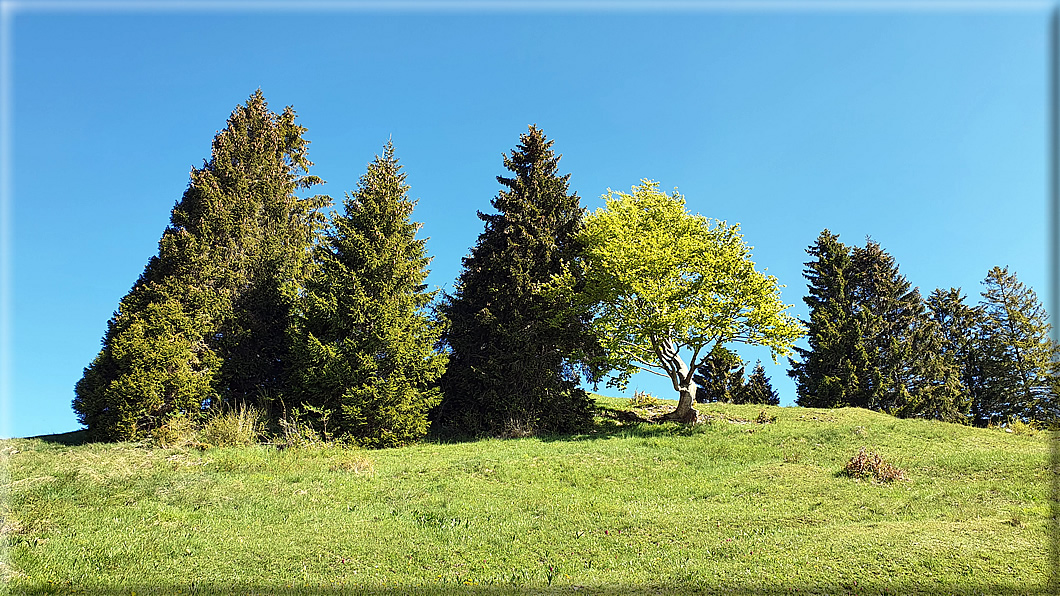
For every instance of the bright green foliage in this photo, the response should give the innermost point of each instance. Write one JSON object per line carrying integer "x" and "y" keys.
{"x": 207, "y": 322}
{"x": 154, "y": 364}
{"x": 661, "y": 281}
{"x": 758, "y": 389}
{"x": 1019, "y": 360}
{"x": 829, "y": 371}
{"x": 511, "y": 343}
{"x": 366, "y": 348}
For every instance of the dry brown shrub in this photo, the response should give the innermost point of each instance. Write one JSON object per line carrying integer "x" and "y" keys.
{"x": 871, "y": 466}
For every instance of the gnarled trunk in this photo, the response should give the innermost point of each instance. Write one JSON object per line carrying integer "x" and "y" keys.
{"x": 681, "y": 376}
{"x": 684, "y": 413}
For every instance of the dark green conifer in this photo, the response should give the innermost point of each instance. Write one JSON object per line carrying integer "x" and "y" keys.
{"x": 366, "y": 347}
{"x": 889, "y": 311}
{"x": 758, "y": 389}
{"x": 828, "y": 374}
{"x": 511, "y": 343}
{"x": 720, "y": 377}
{"x": 208, "y": 321}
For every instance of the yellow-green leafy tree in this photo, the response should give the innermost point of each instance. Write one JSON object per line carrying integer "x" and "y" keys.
{"x": 666, "y": 288}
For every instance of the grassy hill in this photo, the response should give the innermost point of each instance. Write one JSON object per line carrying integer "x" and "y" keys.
{"x": 739, "y": 504}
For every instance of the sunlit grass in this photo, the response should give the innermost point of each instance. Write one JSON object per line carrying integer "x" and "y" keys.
{"x": 737, "y": 504}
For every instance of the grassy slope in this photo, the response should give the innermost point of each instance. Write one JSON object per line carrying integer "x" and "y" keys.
{"x": 729, "y": 506}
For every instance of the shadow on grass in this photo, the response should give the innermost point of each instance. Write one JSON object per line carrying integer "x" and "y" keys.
{"x": 70, "y": 439}
{"x": 610, "y": 422}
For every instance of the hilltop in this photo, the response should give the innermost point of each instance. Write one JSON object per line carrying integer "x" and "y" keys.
{"x": 755, "y": 500}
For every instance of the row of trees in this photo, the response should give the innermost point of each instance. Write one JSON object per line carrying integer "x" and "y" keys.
{"x": 875, "y": 343}
{"x": 265, "y": 295}
{"x": 257, "y": 298}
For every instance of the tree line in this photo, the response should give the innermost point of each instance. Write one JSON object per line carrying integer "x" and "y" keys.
{"x": 265, "y": 295}
{"x": 876, "y": 343}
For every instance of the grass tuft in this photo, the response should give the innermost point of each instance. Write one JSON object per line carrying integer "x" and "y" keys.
{"x": 643, "y": 399}
{"x": 237, "y": 428}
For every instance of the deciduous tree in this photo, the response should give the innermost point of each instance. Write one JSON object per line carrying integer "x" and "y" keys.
{"x": 666, "y": 288}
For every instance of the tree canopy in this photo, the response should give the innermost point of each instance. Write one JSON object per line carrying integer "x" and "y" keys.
{"x": 207, "y": 322}
{"x": 663, "y": 285}
{"x": 512, "y": 346}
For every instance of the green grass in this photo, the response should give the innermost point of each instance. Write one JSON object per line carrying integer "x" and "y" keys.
{"x": 729, "y": 506}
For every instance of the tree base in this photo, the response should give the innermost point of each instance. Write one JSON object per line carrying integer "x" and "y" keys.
{"x": 686, "y": 417}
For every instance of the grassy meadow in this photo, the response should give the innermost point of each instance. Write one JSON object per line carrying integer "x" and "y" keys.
{"x": 744, "y": 503}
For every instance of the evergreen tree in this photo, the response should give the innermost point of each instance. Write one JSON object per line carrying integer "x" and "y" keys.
{"x": 956, "y": 329}
{"x": 511, "y": 343}
{"x": 1019, "y": 361}
{"x": 872, "y": 344}
{"x": 829, "y": 373}
{"x": 207, "y": 323}
{"x": 889, "y": 312}
{"x": 720, "y": 377}
{"x": 366, "y": 347}
{"x": 758, "y": 390}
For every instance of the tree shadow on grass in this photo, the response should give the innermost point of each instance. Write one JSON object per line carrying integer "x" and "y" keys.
{"x": 610, "y": 422}
{"x": 70, "y": 439}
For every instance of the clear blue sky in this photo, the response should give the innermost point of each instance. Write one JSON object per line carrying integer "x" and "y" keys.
{"x": 925, "y": 129}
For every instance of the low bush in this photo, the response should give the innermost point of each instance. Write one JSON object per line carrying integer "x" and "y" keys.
{"x": 233, "y": 428}
{"x": 871, "y": 466}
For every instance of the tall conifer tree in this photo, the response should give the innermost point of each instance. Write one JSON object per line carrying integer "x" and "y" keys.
{"x": 889, "y": 310}
{"x": 511, "y": 344}
{"x": 758, "y": 389}
{"x": 1020, "y": 361}
{"x": 207, "y": 322}
{"x": 366, "y": 347}
{"x": 829, "y": 373}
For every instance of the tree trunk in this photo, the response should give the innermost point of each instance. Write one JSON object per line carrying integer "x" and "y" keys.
{"x": 684, "y": 413}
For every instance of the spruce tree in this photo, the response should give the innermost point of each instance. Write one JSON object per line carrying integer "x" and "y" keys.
{"x": 758, "y": 389}
{"x": 512, "y": 344}
{"x": 720, "y": 377}
{"x": 872, "y": 344}
{"x": 889, "y": 310}
{"x": 1019, "y": 360}
{"x": 829, "y": 373}
{"x": 208, "y": 321}
{"x": 366, "y": 344}
{"x": 955, "y": 347}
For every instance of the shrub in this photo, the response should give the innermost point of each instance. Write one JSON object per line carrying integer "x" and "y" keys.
{"x": 176, "y": 431}
{"x": 764, "y": 418}
{"x": 233, "y": 428}
{"x": 643, "y": 399}
{"x": 870, "y": 465}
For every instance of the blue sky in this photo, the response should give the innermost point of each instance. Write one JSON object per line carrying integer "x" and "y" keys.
{"x": 922, "y": 128}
